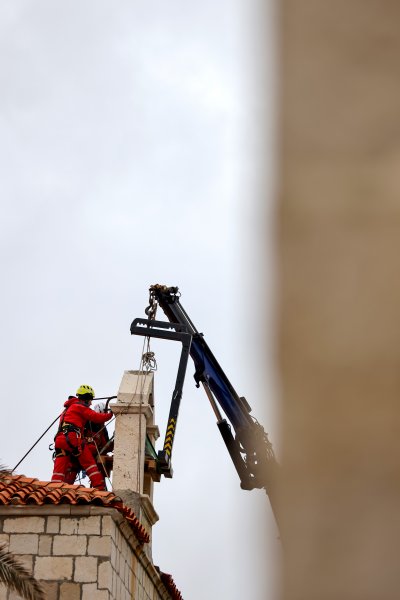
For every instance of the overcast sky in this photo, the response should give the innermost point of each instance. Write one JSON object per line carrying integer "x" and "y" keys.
{"x": 135, "y": 148}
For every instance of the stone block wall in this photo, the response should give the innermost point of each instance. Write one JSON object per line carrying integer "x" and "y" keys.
{"x": 339, "y": 298}
{"x": 80, "y": 553}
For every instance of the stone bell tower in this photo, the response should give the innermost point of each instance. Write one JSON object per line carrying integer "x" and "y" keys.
{"x": 134, "y": 469}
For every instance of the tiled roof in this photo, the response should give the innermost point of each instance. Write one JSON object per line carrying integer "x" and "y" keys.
{"x": 170, "y": 585}
{"x": 18, "y": 490}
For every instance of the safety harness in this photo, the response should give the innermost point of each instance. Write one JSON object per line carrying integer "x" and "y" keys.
{"x": 67, "y": 428}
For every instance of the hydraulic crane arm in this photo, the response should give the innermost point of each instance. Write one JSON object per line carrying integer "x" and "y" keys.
{"x": 245, "y": 438}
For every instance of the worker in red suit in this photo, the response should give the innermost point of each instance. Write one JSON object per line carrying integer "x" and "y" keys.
{"x": 69, "y": 442}
{"x": 96, "y": 438}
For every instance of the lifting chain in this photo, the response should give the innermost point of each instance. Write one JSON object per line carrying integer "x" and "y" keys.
{"x": 151, "y": 310}
{"x": 149, "y": 362}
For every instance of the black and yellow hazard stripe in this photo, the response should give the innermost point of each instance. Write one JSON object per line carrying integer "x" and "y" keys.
{"x": 169, "y": 436}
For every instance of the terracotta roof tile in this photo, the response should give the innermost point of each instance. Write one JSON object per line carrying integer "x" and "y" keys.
{"x": 18, "y": 490}
{"x": 170, "y": 585}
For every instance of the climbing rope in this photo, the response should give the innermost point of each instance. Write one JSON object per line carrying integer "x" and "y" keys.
{"x": 37, "y": 441}
{"x": 147, "y": 365}
{"x": 49, "y": 427}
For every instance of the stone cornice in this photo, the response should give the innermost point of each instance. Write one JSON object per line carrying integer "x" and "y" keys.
{"x": 133, "y": 408}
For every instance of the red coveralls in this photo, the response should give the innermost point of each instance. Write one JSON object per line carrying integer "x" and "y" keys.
{"x": 95, "y": 438}
{"x": 68, "y": 442}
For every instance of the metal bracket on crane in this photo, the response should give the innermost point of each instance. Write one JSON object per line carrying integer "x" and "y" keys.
{"x": 162, "y": 329}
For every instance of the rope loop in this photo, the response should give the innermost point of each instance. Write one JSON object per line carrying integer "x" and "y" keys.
{"x": 149, "y": 361}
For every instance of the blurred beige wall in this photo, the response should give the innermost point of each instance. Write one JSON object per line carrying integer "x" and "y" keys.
{"x": 339, "y": 298}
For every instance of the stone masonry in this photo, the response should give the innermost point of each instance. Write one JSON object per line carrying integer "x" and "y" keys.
{"x": 339, "y": 298}
{"x": 91, "y": 551}
{"x": 80, "y": 553}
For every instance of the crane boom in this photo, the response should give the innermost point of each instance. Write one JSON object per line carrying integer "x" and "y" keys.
{"x": 244, "y": 437}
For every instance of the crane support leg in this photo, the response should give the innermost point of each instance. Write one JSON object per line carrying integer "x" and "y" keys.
{"x": 162, "y": 329}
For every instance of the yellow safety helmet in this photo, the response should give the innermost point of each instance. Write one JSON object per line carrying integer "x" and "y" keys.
{"x": 85, "y": 389}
